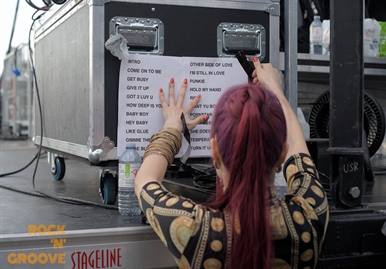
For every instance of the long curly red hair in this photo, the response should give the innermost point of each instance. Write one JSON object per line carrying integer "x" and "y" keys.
{"x": 250, "y": 129}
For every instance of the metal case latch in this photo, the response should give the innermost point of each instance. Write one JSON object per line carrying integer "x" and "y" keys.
{"x": 233, "y": 37}
{"x": 144, "y": 35}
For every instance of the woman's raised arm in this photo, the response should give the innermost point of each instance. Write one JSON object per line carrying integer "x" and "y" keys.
{"x": 269, "y": 78}
{"x": 157, "y": 158}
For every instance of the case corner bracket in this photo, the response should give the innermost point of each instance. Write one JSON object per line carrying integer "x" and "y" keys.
{"x": 273, "y": 9}
{"x": 98, "y": 152}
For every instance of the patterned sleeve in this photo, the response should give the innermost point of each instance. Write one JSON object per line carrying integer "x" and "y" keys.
{"x": 175, "y": 219}
{"x": 305, "y": 213}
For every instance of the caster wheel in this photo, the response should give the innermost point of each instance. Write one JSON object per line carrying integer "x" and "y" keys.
{"x": 108, "y": 189}
{"x": 59, "y": 169}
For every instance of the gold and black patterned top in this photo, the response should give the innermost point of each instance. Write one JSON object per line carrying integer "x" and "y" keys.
{"x": 200, "y": 237}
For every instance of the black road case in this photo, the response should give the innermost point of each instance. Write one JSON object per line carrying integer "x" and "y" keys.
{"x": 78, "y": 77}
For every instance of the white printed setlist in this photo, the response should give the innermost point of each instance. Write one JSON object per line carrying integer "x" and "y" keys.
{"x": 140, "y": 111}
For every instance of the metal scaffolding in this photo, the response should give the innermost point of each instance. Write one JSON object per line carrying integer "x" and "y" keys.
{"x": 17, "y": 94}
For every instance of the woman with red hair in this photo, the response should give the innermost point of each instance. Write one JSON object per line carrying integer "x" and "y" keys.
{"x": 254, "y": 131}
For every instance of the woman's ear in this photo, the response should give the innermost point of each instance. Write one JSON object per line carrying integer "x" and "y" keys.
{"x": 214, "y": 150}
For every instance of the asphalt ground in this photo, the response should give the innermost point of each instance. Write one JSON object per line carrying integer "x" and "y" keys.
{"x": 18, "y": 210}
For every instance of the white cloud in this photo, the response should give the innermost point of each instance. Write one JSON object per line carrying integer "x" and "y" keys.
{"x": 23, "y": 24}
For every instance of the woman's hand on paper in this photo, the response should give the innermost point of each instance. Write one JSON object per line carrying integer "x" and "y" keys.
{"x": 172, "y": 111}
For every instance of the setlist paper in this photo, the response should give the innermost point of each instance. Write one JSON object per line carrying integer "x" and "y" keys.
{"x": 140, "y": 111}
